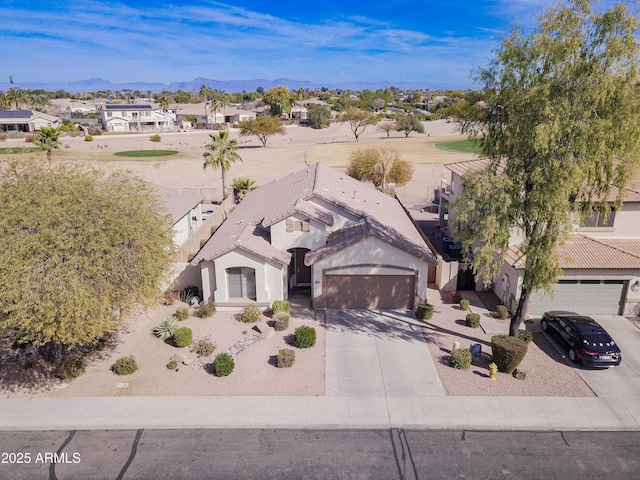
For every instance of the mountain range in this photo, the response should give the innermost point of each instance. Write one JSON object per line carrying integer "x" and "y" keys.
{"x": 232, "y": 86}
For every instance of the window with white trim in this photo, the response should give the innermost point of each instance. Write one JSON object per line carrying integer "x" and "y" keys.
{"x": 242, "y": 282}
{"x": 596, "y": 219}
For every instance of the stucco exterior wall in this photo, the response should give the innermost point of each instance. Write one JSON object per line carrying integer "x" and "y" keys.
{"x": 625, "y": 225}
{"x": 371, "y": 256}
{"x": 341, "y": 217}
{"x": 314, "y": 238}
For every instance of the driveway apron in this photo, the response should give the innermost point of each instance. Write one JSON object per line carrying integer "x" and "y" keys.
{"x": 374, "y": 353}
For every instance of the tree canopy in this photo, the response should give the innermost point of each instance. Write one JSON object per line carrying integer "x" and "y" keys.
{"x": 47, "y": 141}
{"x": 561, "y": 127}
{"x": 408, "y": 124}
{"x": 358, "y": 119}
{"x": 279, "y": 99}
{"x": 319, "y": 116}
{"x": 263, "y": 127}
{"x": 79, "y": 247}
{"x": 379, "y": 166}
{"x": 220, "y": 153}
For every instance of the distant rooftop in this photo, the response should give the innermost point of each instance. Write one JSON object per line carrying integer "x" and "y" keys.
{"x": 129, "y": 107}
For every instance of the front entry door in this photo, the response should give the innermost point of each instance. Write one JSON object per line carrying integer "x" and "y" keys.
{"x": 303, "y": 272}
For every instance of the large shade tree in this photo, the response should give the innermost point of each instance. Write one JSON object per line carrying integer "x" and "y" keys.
{"x": 79, "y": 248}
{"x": 561, "y": 127}
{"x": 220, "y": 153}
{"x": 358, "y": 119}
{"x": 263, "y": 127}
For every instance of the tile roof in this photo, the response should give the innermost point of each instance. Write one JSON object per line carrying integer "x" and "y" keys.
{"x": 129, "y": 107}
{"x": 463, "y": 167}
{"x": 283, "y": 197}
{"x": 178, "y": 204}
{"x": 580, "y": 252}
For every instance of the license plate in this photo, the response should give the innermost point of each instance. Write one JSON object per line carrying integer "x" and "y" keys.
{"x": 605, "y": 357}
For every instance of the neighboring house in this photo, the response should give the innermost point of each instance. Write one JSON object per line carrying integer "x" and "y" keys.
{"x": 600, "y": 262}
{"x": 26, "y": 121}
{"x": 188, "y": 114}
{"x": 353, "y": 246}
{"x": 185, "y": 210}
{"x": 137, "y": 118}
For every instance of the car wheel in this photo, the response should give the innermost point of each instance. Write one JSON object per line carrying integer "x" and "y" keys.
{"x": 573, "y": 356}
{"x": 544, "y": 325}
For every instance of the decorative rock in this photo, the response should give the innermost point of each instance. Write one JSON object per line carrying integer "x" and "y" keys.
{"x": 519, "y": 374}
{"x": 456, "y": 345}
{"x": 178, "y": 357}
{"x": 188, "y": 359}
{"x": 61, "y": 386}
{"x": 265, "y": 330}
{"x": 122, "y": 385}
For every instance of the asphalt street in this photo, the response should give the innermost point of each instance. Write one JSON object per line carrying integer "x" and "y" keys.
{"x": 318, "y": 454}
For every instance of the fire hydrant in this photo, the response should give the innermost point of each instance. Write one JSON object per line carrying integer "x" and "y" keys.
{"x": 493, "y": 369}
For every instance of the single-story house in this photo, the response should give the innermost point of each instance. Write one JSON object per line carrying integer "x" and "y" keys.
{"x": 185, "y": 210}
{"x": 27, "y": 121}
{"x": 137, "y": 118}
{"x": 600, "y": 261}
{"x": 348, "y": 244}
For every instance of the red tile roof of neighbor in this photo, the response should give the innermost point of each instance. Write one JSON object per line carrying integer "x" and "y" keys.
{"x": 580, "y": 252}
{"x": 293, "y": 193}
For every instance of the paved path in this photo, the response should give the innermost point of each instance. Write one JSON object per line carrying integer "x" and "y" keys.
{"x": 378, "y": 353}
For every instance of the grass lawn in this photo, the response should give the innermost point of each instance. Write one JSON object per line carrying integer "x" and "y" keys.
{"x": 13, "y": 150}
{"x": 460, "y": 146}
{"x": 146, "y": 153}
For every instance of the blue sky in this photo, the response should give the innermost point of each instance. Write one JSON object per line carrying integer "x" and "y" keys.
{"x": 329, "y": 41}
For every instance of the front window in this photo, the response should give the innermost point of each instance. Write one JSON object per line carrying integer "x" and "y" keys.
{"x": 596, "y": 219}
{"x": 297, "y": 225}
{"x": 242, "y": 282}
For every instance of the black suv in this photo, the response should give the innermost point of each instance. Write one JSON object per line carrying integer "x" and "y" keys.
{"x": 586, "y": 340}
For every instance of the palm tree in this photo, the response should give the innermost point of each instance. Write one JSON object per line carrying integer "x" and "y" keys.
{"x": 219, "y": 154}
{"x": 47, "y": 141}
{"x": 242, "y": 186}
{"x": 163, "y": 102}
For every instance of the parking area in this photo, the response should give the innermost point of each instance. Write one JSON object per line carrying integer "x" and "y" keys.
{"x": 378, "y": 353}
{"x": 620, "y": 381}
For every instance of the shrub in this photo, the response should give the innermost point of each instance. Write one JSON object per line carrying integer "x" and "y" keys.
{"x": 525, "y": 336}
{"x": 424, "y": 311}
{"x": 473, "y": 320}
{"x": 203, "y": 346}
{"x": 155, "y": 138}
{"x": 281, "y": 306}
{"x": 304, "y": 337}
{"x": 223, "y": 365}
{"x": 30, "y": 138}
{"x": 70, "y": 368}
{"x": 206, "y": 309}
{"x": 281, "y": 321}
{"x": 28, "y": 363}
{"x": 502, "y": 311}
{"x": 464, "y": 304}
{"x": 172, "y": 365}
{"x": 3, "y": 137}
{"x": 507, "y": 352}
{"x": 125, "y": 366}
{"x": 166, "y": 329}
{"x": 169, "y": 298}
{"x": 182, "y": 312}
{"x": 456, "y": 297}
{"x": 88, "y": 138}
{"x": 183, "y": 337}
{"x": 189, "y": 292}
{"x": 460, "y": 358}
{"x": 286, "y": 358}
{"x": 250, "y": 314}
{"x": 94, "y": 131}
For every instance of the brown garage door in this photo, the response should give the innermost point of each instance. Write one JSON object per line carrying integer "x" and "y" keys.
{"x": 370, "y": 291}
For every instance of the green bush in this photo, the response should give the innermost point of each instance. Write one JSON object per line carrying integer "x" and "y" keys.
{"x": 473, "y": 320}
{"x": 464, "y": 304}
{"x": 125, "y": 366}
{"x": 507, "y": 352}
{"x": 223, "y": 365}
{"x": 286, "y": 358}
{"x": 281, "y": 321}
{"x": 304, "y": 337}
{"x": 424, "y": 311}
{"x": 456, "y": 297}
{"x": 206, "y": 309}
{"x": 70, "y": 368}
{"x": 155, "y": 138}
{"x": 250, "y": 314}
{"x": 281, "y": 306}
{"x": 203, "y": 346}
{"x": 172, "y": 365}
{"x": 502, "y": 311}
{"x": 525, "y": 336}
{"x": 165, "y": 330}
{"x": 183, "y": 312}
{"x": 88, "y": 138}
{"x": 460, "y": 358}
{"x": 183, "y": 337}
{"x": 189, "y": 292}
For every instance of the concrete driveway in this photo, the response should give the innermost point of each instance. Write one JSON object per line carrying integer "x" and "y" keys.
{"x": 620, "y": 381}
{"x": 378, "y": 353}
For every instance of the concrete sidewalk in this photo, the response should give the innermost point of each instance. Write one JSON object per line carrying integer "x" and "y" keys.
{"x": 432, "y": 412}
